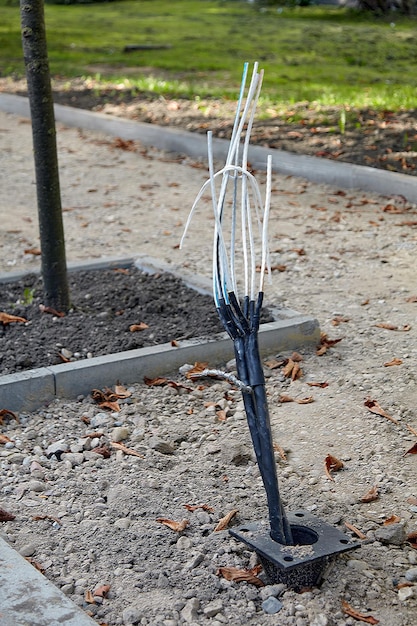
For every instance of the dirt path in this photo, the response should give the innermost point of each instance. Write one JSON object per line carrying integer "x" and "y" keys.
{"x": 346, "y": 257}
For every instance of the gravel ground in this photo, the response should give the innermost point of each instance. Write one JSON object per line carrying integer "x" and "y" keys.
{"x": 90, "y": 520}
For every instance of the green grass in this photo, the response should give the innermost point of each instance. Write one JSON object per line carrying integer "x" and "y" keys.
{"x": 329, "y": 56}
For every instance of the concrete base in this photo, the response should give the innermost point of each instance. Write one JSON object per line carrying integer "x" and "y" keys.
{"x": 27, "y": 598}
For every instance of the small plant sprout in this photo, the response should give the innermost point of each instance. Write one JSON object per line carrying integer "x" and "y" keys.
{"x": 240, "y": 263}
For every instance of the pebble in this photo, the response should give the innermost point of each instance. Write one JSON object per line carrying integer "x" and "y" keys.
{"x": 272, "y": 605}
{"x": 272, "y": 590}
{"x": 405, "y": 593}
{"x": 411, "y": 574}
{"x": 213, "y": 608}
{"x": 131, "y": 615}
{"x": 28, "y": 549}
{"x": 161, "y": 446}
{"x": 392, "y": 534}
{"x": 189, "y": 612}
{"x": 120, "y": 433}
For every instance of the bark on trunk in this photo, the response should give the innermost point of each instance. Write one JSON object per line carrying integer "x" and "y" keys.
{"x": 51, "y": 229}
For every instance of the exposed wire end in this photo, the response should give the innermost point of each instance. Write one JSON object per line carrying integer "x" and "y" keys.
{"x": 224, "y": 376}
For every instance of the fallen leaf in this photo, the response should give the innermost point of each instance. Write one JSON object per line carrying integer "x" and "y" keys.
{"x": 105, "y": 400}
{"x": 102, "y": 591}
{"x": 161, "y": 382}
{"x": 393, "y": 361}
{"x": 194, "y": 507}
{"x": 273, "y": 364}
{"x": 412, "y": 450}
{"x": 5, "y": 439}
{"x": 389, "y": 326}
{"x": 34, "y": 251}
{"x": 103, "y": 450}
{"x": 121, "y": 392}
{"x": 412, "y": 500}
{"x": 339, "y": 319}
{"x": 283, "y": 397}
{"x": 221, "y": 415}
{"x": 370, "y": 495}
{"x": 332, "y": 464}
{"x": 412, "y": 539}
{"x": 394, "y": 519}
{"x": 355, "y": 530}
{"x": 322, "y": 385}
{"x": 325, "y": 344}
{"x": 411, "y": 299}
{"x": 242, "y": 575}
{"x": 35, "y": 564}
{"x": 134, "y": 328}
{"x": 280, "y": 451}
{"x": 125, "y": 449}
{"x": 177, "y": 526}
{"x": 391, "y": 208}
{"x": 49, "y": 309}
{"x": 88, "y": 597}
{"x": 374, "y": 407}
{"x": 174, "y": 343}
{"x": 37, "y": 518}
{"x": 196, "y": 369}
{"x": 368, "y": 619}
{"x": 224, "y": 521}
{"x": 292, "y": 370}
{"x": 411, "y": 429}
{"x": 6, "y": 413}
{"x": 307, "y": 400}
{"x": 296, "y": 356}
{"x": 5, "y": 318}
{"x": 5, "y": 516}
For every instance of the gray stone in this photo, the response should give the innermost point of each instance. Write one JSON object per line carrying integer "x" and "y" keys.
{"x": 272, "y": 590}
{"x": 120, "y": 433}
{"x": 74, "y": 458}
{"x": 56, "y": 449}
{"x": 411, "y": 574}
{"x": 392, "y": 534}
{"x": 28, "y": 549}
{"x": 189, "y": 612}
{"x": 161, "y": 446}
{"x": 271, "y": 605}
{"x": 123, "y": 523}
{"x": 212, "y": 608}
{"x": 36, "y": 485}
{"x": 131, "y": 615}
{"x": 405, "y": 593}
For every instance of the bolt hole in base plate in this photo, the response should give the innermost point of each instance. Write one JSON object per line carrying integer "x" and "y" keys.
{"x": 302, "y": 565}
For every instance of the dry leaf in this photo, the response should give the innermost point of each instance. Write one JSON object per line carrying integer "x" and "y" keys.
{"x": 332, "y": 464}
{"x": 5, "y": 516}
{"x": 224, "y": 521}
{"x": 106, "y": 399}
{"x": 280, "y": 451}
{"x": 103, "y": 450}
{"x": 121, "y": 392}
{"x": 292, "y": 370}
{"x": 388, "y": 326}
{"x": 177, "y": 526}
{"x": 371, "y": 495}
{"x": 374, "y": 407}
{"x": 5, "y": 439}
{"x": 412, "y": 500}
{"x": 102, "y": 591}
{"x": 339, "y": 319}
{"x": 126, "y": 450}
{"x": 159, "y": 381}
{"x": 394, "y": 519}
{"x": 412, "y": 450}
{"x": 194, "y": 507}
{"x": 197, "y": 369}
{"x": 241, "y": 575}
{"x": 174, "y": 343}
{"x": 37, "y": 518}
{"x": 34, "y": 251}
{"x": 322, "y": 385}
{"x": 411, "y": 429}
{"x": 393, "y": 361}
{"x": 49, "y": 309}
{"x": 283, "y": 397}
{"x": 368, "y": 619}
{"x": 35, "y": 564}
{"x": 273, "y": 364}
{"x": 134, "y": 328}
{"x": 5, "y": 318}
{"x": 355, "y": 530}
{"x": 221, "y": 415}
{"x": 412, "y": 539}
{"x": 325, "y": 343}
{"x": 411, "y": 299}
{"x": 88, "y": 597}
{"x": 6, "y": 413}
{"x": 296, "y": 356}
{"x": 307, "y": 400}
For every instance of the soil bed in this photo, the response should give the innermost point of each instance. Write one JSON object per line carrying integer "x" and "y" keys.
{"x": 106, "y": 304}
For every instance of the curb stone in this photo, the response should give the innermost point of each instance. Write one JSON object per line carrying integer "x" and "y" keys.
{"x": 318, "y": 170}
{"x": 27, "y": 597}
{"x": 29, "y": 390}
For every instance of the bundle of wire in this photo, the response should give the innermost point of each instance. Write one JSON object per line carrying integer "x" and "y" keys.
{"x": 241, "y": 244}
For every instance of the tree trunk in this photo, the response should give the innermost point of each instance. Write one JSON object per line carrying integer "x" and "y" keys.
{"x": 51, "y": 229}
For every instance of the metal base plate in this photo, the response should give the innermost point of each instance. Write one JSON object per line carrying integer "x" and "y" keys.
{"x": 300, "y": 565}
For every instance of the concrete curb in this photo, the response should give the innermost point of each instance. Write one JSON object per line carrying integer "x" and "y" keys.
{"x": 31, "y": 389}
{"x": 346, "y": 175}
{"x": 27, "y": 597}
